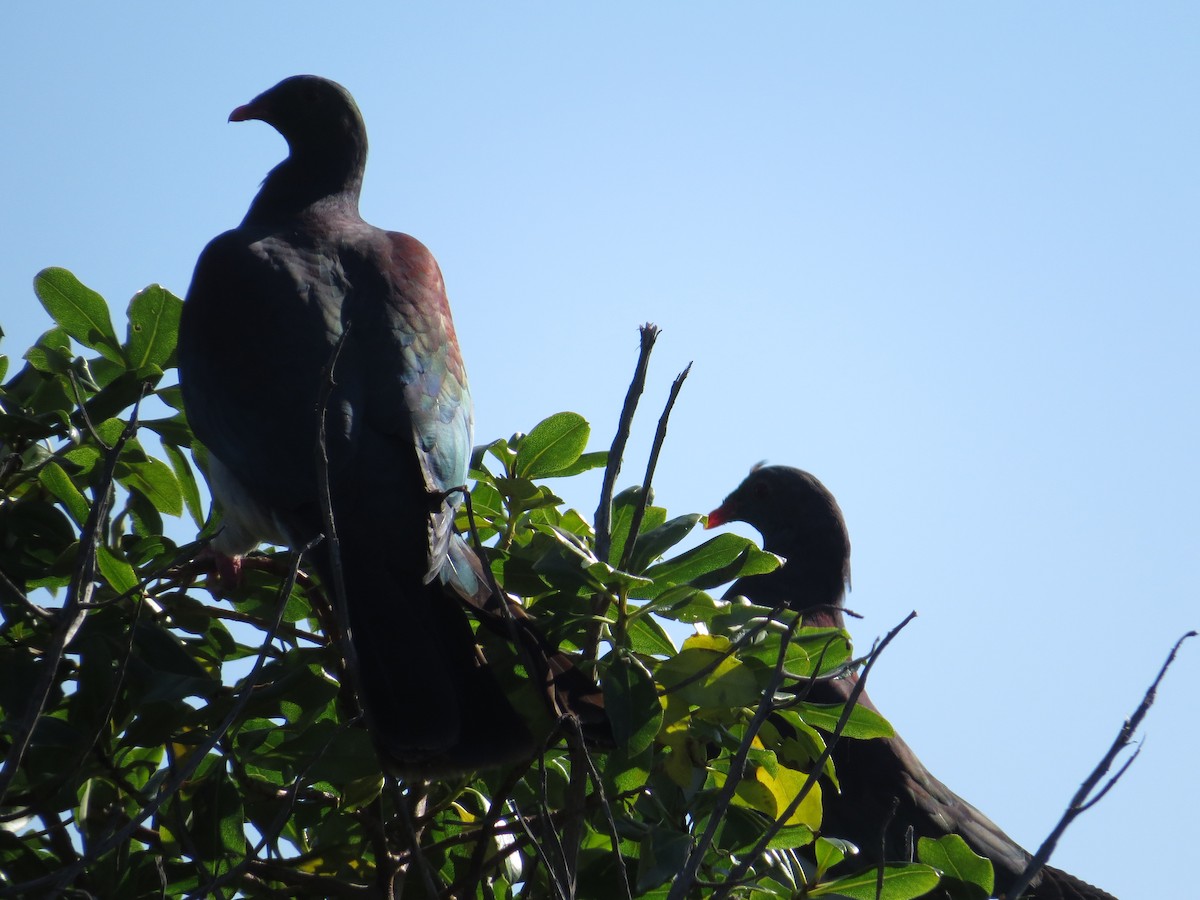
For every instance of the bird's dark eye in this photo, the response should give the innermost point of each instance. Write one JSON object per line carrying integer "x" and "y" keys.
{"x": 761, "y": 491}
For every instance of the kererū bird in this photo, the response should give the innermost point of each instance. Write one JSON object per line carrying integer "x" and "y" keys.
{"x": 270, "y": 301}
{"x": 800, "y": 520}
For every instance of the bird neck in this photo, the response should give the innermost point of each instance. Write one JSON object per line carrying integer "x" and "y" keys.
{"x": 309, "y": 183}
{"x": 824, "y": 617}
{"x": 813, "y": 578}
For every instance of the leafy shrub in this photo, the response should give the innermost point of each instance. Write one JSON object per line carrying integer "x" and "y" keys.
{"x": 166, "y": 734}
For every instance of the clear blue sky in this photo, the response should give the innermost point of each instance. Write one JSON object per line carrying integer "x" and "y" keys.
{"x": 945, "y": 256}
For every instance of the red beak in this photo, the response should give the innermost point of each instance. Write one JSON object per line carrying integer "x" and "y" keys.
{"x": 718, "y": 516}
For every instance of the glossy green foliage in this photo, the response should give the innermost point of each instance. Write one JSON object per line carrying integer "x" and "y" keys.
{"x": 166, "y": 734}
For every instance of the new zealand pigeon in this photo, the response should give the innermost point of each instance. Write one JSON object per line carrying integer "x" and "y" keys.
{"x": 800, "y": 520}
{"x": 268, "y": 305}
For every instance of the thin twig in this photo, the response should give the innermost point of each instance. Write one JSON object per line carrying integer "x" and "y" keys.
{"x": 566, "y": 845}
{"x": 660, "y": 436}
{"x": 744, "y": 864}
{"x": 418, "y": 793}
{"x": 73, "y": 377}
{"x": 307, "y": 885}
{"x": 271, "y": 835}
{"x": 539, "y": 853}
{"x": 648, "y": 334}
{"x": 338, "y": 588}
{"x": 526, "y": 655}
{"x": 743, "y": 639}
{"x": 60, "y": 879}
{"x": 1080, "y": 803}
{"x": 598, "y": 784}
{"x": 470, "y": 881}
{"x": 883, "y": 855}
{"x": 737, "y": 765}
{"x": 79, "y": 594}
{"x": 577, "y": 788}
{"x": 286, "y": 630}
{"x": 37, "y": 612}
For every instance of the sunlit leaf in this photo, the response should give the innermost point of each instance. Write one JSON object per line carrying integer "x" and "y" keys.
{"x": 153, "y": 327}
{"x": 154, "y": 480}
{"x": 117, "y": 572}
{"x": 898, "y": 882}
{"x": 862, "y": 724}
{"x": 554, "y": 444}
{"x": 705, "y": 674}
{"x": 951, "y": 856}
{"x": 714, "y": 555}
{"x": 79, "y": 310}
{"x": 58, "y": 483}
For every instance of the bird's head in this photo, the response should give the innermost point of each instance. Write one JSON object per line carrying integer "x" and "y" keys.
{"x": 784, "y": 504}
{"x": 309, "y": 111}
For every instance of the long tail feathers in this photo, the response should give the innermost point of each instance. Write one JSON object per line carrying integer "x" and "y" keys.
{"x": 567, "y": 690}
{"x": 433, "y": 704}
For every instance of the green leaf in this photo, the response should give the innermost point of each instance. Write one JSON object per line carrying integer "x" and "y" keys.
{"x": 652, "y": 544}
{"x": 173, "y": 430}
{"x": 796, "y": 744}
{"x": 631, "y": 701}
{"x": 899, "y": 883}
{"x": 828, "y": 853}
{"x": 117, "y": 395}
{"x": 684, "y": 603}
{"x": 52, "y": 353}
{"x": 715, "y": 679}
{"x": 596, "y": 460}
{"x": 501, "y": 449}
{"x": 187, "y": 482}
{"x": 217, "y": 818}
{"x": 663, "y": 854}
{"x": 623, "y": 507}
{"x": 863, "y": 723}
{"x": 812, "y": 652}
{"x": 648, "y": 637}
{"x": 772, "y": 790}
{"x": 791, "y": 836}
{"x": 110, "y": 431}
{"x": 153, "y": 327}
{"x": 951, "y": 856}
{"x": 79, "y": 310}
{"x": 750, "y": 560}
{"x": 153, "y": 479}
{"x": 58, "y": 483}
{"x": 172, "y": 396}
{"x": 118, "y": 573}
{"x": 713, "y": 555}
{"x": 554, "y": 444}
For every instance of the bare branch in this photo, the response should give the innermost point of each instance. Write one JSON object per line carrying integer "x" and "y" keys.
{"x": 743, "y": 866}
{"x": 35, "y": 611}
{"x": 660, "y": 436}
{"x": 580, "y": 751}
{"x": 1080, "y": 803}
{"x": 649, "y": 334}
{"x": 338, "y": 588}
{"x": 559, "y": 892}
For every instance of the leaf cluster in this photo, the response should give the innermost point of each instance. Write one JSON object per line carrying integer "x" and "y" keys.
{"x": 165, "y": 733}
